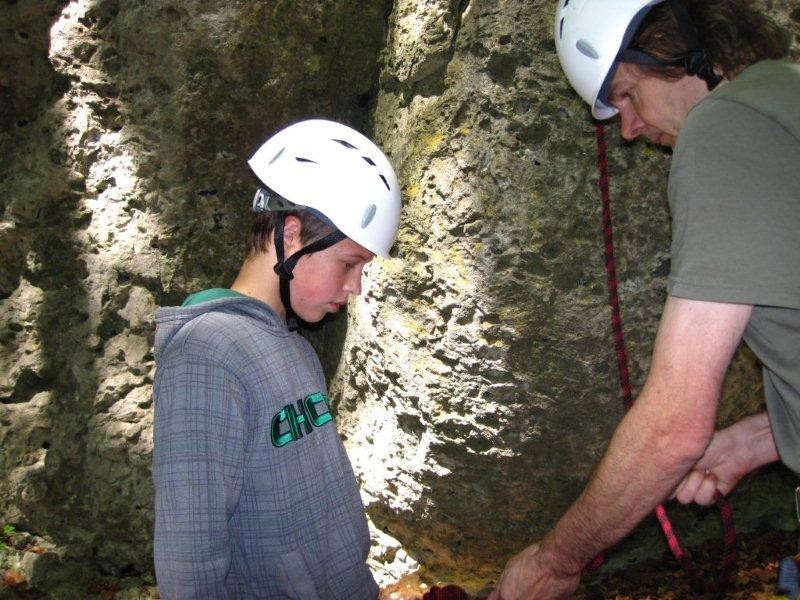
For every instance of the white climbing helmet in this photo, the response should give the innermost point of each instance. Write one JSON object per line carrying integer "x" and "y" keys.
{"x": 338, "y": 172}
{"x": 589, "y": 34}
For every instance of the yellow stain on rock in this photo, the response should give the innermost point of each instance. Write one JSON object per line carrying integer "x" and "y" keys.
{"x": 412, "y": 191}
{"x": 392, "y": 266}
{"x": 431, "y": 142}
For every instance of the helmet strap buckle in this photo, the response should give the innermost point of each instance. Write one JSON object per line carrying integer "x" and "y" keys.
{"x": 282, "y": 270}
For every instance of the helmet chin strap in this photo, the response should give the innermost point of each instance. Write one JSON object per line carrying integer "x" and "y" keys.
{"x": 285, "y": 266}
{"x": 696, "y": 61}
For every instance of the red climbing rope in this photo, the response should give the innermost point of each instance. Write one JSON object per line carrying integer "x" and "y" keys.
{"x": 730, "y": 552}
{"x": 446, "y": 592}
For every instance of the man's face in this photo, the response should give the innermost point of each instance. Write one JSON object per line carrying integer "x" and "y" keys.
{"x": 324, "y": 280}
{"x": 653, "y": 107}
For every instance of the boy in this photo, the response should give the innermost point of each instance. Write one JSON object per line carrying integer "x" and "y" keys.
{"x": 255, "y": 496}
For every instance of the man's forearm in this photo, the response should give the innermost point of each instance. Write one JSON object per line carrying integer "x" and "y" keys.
{"x": 663, "y": 435}
{"x": 649, "y": 454}
{"x": 656, "y": 444}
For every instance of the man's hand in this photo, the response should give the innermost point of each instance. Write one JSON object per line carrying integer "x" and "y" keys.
{"x": 732, "y": 453}
{"x": 528, "y": 575}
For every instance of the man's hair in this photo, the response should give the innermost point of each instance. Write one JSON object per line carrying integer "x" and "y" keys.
{"x": 313, "y": 228}
{"x": 734, "y": 33}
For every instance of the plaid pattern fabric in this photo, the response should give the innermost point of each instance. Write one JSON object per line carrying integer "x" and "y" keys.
{"x": 236, "y": 515}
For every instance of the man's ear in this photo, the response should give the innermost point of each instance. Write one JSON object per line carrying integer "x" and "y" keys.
{"x": 292, "y": 228}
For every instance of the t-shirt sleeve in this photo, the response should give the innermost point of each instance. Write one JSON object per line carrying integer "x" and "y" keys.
{"x": 734, "y": 194}
{"x": 198, "y": 461}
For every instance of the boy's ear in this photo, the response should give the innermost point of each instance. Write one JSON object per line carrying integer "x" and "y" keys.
{"x": 292, "y": 228}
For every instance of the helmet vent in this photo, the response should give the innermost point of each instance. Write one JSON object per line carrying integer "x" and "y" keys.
{"x": 386, "y": 183}
{"x": 278, "y": 155}
{"x": 369, "y": 160}
{"x": 305, "y": 160}
{"x": 369, "y": 214}
{"x": 561, "y": 28}
{"x": 587, "y": 49}
{"x": 345, "y": 144}
{"x": 260, "y": 200}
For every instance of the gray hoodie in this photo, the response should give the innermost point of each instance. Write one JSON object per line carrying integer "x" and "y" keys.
{"x": 255, "y": 496}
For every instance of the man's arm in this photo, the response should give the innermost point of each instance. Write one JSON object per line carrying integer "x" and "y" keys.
{"x": 656, "y": 444}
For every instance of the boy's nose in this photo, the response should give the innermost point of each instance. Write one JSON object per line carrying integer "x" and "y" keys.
{"x": 352, "y": 284}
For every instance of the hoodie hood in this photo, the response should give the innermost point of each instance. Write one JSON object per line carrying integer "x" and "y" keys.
{"x": 171, "y": 320}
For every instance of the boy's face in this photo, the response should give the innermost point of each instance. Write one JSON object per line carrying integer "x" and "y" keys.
{"x": 324, "y": 280}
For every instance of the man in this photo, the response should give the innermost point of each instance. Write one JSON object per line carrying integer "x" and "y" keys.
{"x": 709, "y": 79}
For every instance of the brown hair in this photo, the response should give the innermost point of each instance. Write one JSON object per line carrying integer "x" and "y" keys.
{"x": 312, "y": 229}
{"x": 734, "y": 33}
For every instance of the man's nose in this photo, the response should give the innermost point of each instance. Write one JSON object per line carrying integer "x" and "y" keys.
{"x": 631, "y": 125}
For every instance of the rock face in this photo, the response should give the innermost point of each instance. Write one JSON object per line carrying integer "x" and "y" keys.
{"x": 476, "y": 385}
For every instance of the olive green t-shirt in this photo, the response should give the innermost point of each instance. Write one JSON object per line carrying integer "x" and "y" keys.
{"x": 734, "y": 193}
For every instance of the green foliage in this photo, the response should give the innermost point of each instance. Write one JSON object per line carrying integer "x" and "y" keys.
{"x": 5, "y": 551}
{"x": 5, "y": 540}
